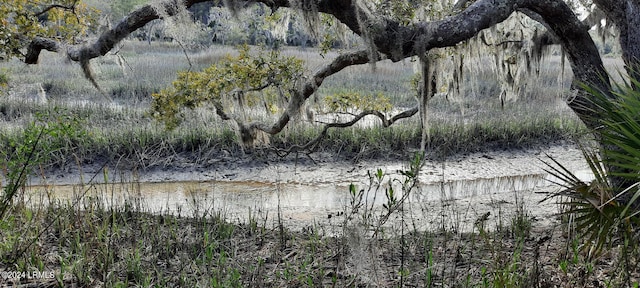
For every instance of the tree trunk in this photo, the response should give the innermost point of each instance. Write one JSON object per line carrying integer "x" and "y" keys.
{"x": 630, "y": 41}
{"x": 625, "y": 14}
{"x": 630, "y": 45}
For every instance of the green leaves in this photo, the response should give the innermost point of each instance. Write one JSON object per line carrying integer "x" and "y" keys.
{"x": 348, "y": 101}
{"x": 621, "y": 127}
{"x": 51, "y": 132}
{"x": 22, "y": 20}
{"x": 392, "y": 198}
{"x": 245, "y": 81}
{"x": 608, "y": 207}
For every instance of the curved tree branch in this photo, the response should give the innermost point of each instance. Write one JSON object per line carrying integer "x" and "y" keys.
{"x": 311, "y": 145}
{"x": 109, "y": 38}
{"x": 38, "y": 44}
{"x": 399, "y": 42}
{"x": 307, "y": 88}
{"x": 581, "y": 52}
{"x": 300, "y": 95}
{"x": 391, "y": 38}
{"x": 55, "y": 6}
{"x": 548, "y": 37}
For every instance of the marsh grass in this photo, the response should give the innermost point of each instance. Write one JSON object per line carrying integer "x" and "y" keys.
{"x": 98, "y": 238}
{"x": 121, "y": 129}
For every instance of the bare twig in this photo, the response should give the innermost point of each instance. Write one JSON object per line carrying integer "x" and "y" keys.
{"x": 71, "y": 8}
{"x": 311, "y": 145}
{"x": 186, "y": 55}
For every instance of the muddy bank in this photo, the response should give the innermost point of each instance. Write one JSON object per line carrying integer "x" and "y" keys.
{"x": 456, "y": 192}
{"x": 325, "y": 170}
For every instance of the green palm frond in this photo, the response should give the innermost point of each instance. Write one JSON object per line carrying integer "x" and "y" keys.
{"x": 601, "y": 210}
{"x": 565, "y": 177}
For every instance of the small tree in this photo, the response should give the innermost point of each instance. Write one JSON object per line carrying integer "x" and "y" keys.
{"x": 231, "y": 87}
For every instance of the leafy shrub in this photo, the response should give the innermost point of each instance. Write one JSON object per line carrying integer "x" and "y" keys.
{"x": 51, "y": 133}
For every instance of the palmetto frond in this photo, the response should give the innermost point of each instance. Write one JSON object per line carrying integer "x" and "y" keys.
{"x": 603, "y": 210}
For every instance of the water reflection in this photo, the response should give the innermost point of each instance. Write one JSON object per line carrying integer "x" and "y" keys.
{"x": 240, "y": 197}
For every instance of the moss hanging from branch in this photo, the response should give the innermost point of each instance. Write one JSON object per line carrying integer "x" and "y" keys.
{"x": 517, "y": 55}
{"x": 362, "y": 13}
{"x": 309, "y": 11}
{"x": 235, "y": 7}
{"x": 427, "y": 89}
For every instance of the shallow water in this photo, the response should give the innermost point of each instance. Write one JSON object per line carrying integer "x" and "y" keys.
{"x": 306, "y": 195}
{"x": 299, "y": 205}
{"x": 238, "y": 197}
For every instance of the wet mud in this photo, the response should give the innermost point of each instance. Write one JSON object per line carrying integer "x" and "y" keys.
{"x": 460, "y": 190}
